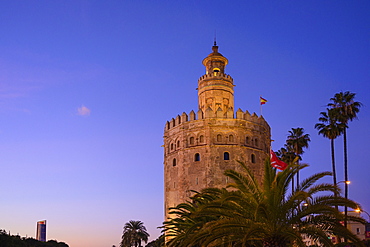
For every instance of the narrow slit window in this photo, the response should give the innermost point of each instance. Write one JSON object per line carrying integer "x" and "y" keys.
{"x": 253, "y": 158}
{"x": 174, "y": 162}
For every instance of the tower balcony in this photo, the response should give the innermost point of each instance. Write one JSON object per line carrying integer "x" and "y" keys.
{"x": 216, "y": 76}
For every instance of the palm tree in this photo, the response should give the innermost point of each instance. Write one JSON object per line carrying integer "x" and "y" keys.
{"x": 288, "y": 157}
{"x": 182, "y": 222}
{"x": 133, "y": 233}
{"x": 295, "y": 143}
{"x": 251, "y": 213}
{"x": 285, "y": 155}
{"x": 330, "y": 128}
{"x": 346, "y": 109}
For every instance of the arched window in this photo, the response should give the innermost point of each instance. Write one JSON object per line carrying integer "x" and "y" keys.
{"x": 256, "y": 142}
{"x": 197, "y": 157}
{"x": 174, "y": 162}
{"x": 247, "y": 140}
{"x": 178, "y": 144}
{"x": 219, "y": 138}
{"x": 191, "y": 140}
{"x": 215, "y": 71}
{"x": 226, "y": 156}
{"x": 201, "y": 139}
{"x": 253, "y": 158}
{"x": 231, "y": 138}
{"x": 171, "y": 146}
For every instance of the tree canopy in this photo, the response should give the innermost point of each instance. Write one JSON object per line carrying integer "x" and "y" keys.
{"x": 7, "y": 240}
{"x": 133, "y": 233}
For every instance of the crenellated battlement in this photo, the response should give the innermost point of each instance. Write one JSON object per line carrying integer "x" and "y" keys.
{"x": 216, "y": 75}
{"x": 219, "y": 114}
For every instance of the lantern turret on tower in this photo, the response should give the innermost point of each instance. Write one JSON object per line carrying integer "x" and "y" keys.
{"x": 215, "y": 88}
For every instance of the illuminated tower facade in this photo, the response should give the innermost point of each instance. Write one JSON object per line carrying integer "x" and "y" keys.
{"x": 41, "y": 231}
{"x": 200, "y": 146}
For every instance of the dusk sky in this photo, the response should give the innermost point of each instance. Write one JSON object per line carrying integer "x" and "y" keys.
{"x": 86, "y": 88}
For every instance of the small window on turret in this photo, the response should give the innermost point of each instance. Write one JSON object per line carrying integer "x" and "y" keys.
{"x": 174, "y": 162}
{"x": 226, "y": 156}
{"x": 231, "y": 138}
{"x": 191, "y": 140}
{"x": 201, "y": 139}
{"x": 197, "y": 157}
{"x": 219, "y": 138}
{"x": 253, "y": 158}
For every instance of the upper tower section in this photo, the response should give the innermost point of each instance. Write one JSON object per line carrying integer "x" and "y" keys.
{"x": 215, "y": 88}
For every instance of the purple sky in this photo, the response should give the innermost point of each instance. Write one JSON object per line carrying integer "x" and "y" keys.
{"x": 87, "y": 86}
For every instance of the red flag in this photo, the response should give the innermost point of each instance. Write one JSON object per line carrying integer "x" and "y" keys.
{"x": 262, "y": 101}
{"x": 275, "y": 162}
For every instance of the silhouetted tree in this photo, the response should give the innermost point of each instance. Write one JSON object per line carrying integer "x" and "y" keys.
{"x": 346, "y": 110}
{"x": 133, "y": 233}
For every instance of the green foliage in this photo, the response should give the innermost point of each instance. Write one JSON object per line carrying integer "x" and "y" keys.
{"x": 159, "y": 242}
{"x": 345, "y": 106}
{"x": 7, "y": 240}
{"x": 297, "y": 140}
{"x": 329, "y": 127}
{"x": 250, "y": 213}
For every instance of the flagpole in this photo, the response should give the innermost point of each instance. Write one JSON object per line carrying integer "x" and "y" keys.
{"x": 260, "y": 106}
{"x": 261, "y": 109}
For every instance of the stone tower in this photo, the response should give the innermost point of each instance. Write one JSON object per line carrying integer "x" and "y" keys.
{"x": 199, "y": 147}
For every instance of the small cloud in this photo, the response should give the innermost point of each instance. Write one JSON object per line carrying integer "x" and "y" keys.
{"x": 83, "y": 111}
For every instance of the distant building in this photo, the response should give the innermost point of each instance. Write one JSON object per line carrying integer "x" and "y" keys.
{"x": 41, "y": 231}
{"x": 355, "y": 227}
{"x": 199, "y": 147}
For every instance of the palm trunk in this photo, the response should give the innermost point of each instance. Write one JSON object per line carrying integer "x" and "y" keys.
{"x": 297, "y": 174}
{"x": 333, "y": 167}
{"x": 296, "y": 151}
{"x": 333, "y": 162}
{"x": 345, "y": 175}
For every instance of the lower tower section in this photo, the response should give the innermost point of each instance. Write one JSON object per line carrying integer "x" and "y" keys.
{"x": 198, "y": 151}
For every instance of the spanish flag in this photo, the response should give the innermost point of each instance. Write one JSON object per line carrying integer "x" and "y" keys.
{"x": 262, "y": 101}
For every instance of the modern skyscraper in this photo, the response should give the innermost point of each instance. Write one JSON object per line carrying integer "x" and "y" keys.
{"x": 41, "y": 231}
{"x": 199, "y": 147}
